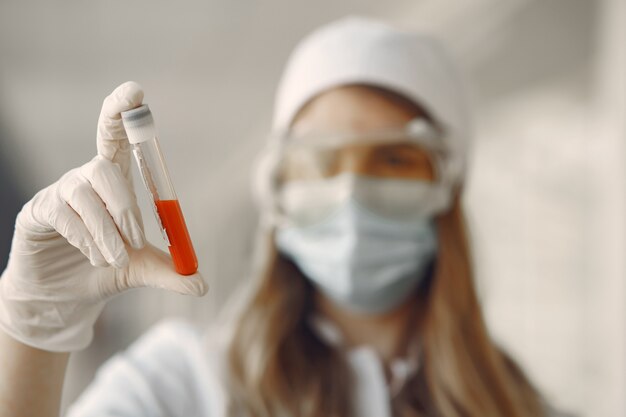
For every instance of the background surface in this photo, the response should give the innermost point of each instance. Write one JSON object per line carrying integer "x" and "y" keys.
{"x": 545, "y": 195}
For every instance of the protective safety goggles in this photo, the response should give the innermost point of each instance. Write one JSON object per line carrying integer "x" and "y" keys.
{"x": 411, "y": 152}
{"x": 415, "y": 151}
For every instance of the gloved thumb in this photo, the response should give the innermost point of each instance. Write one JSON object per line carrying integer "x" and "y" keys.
{"x": 111, "y": 138}
{"x": 151, "y": 267}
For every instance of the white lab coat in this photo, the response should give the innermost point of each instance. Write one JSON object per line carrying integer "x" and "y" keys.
{"x": 174, "y": 370}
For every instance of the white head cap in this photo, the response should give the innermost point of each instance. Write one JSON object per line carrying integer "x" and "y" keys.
{"x": 362, "y": 51}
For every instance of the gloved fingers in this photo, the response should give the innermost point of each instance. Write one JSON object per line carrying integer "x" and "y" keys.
{"x": 69, "y": 225}
{"x": 80, "y": 196}
{"x": 112, "y": 141}
{"x": 151, "y": 267}
{"x": 116, "y": 192}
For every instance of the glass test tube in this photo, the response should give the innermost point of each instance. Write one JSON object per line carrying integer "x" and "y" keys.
{"x": 141, "y": 132}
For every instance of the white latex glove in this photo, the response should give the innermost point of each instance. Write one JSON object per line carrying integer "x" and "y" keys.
{"x": 79, "y": 242}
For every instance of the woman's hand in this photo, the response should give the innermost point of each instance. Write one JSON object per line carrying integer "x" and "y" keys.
{"x": 79, "y": 242}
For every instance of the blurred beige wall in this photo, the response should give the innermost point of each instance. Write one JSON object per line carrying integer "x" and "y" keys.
{"x": 544, "y": 196}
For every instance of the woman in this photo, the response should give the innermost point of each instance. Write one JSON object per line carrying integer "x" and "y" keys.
{"x": 365, "y": 303}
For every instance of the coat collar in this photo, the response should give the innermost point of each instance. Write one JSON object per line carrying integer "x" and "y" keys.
{"x": 401, "y": 369}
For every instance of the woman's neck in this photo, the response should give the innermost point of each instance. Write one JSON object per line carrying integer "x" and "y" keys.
{"x": 388, "y": 333}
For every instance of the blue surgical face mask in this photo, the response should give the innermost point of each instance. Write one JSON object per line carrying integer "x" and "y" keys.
{"x": 358, "y": 253}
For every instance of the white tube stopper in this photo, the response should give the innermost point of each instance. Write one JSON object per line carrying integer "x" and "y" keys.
{"x": 139, "y": 124}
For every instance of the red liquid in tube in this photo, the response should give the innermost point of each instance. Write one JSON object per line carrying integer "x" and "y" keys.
{"x": 139, "y": 126}
{"x": 181, "y": 248}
